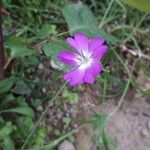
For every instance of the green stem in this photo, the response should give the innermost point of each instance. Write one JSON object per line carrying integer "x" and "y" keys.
{"x": 42, "y": 116}
{"x": 101, "y": 128}
{"x": 120, "y": 101}
{"x": 57, "y": 141}
{"x": 106, "y": 13}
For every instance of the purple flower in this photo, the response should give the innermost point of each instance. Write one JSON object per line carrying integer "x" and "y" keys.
{"x": 85, "y": 61}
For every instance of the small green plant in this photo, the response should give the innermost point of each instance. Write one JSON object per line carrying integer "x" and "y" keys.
{"x": 72, "y": 97}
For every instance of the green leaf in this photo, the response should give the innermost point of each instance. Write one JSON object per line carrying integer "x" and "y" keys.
{"x": 32, "y": 61}
{"x": 14, "y": 41}
{"x": 52, "y": 49}
{"x": 72, "y": 97}
{"x": 7, "y": 99}
{"x": 16, "y": 45}
{"x": 21, "y": 110}
{"x": 80, "y": 19}
{"x": 41, "y": 136}
{"x": 5, "y": 85}
{"x": 55, "y": 142}
{"x": 139, "y": 4}
{"x": 6, "y": 130}
{"x": 98, "y": 121}
{"x": 21, "y": 101}
{"x": 46, "y": 30}
{"x": 21, "y": 88}
{"x": 8, "y": 143}
{"x": 25, "y": 125}
{"x": 108, "y": 141}
{"x": 21, "y": 52}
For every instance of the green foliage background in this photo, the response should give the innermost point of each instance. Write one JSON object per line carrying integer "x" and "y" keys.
{"x": 35, "y": 32}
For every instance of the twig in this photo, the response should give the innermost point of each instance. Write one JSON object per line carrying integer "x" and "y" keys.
{"x": 2, "y": 10}
{"x": 8, "y": 63}
{"x": 135, "y": 53}
{"x": 50, "y": 38}
{"x": 2, "y": 58}
{"x": 138, "y": 30}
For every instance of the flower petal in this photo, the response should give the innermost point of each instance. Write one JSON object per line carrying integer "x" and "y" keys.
{"x": 82, "y": 42}
{"x": 88, "y": 78}
{"x": 75, "y": 77}
{"x": 68, "y": 58}
{"x": 92, "y": 72}
{"x": 72, "y": 43}
{"x": 99, "y": 52}
{"x": 95, "y": 42}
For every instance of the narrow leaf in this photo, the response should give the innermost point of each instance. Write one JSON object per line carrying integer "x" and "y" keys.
{"x": 139, "y": 4}
{"x": 21, "y": 110}
{"x": 14, "y": 41}
{"x": 21, "y": 88}
{"x": 5, "y": 85}
{"x": 21, "y": 51}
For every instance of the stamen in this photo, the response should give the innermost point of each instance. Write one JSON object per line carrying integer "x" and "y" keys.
{"x": 85, "y": 60}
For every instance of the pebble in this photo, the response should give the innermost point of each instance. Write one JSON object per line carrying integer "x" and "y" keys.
{"x": 75, "y": 126}
{"x": 66, "y": 145}
{"x": 41, "y": 66}
{"x": 54, "y": 65}
{"x": 145, "y": 133}
{"x": 134, "y": 111}
{"x": 50, "y": 103}
{"x": 44, "y": 90}
{"x": 39, "y": 108}
{"x": 67, "y": 114}
{"x": 59, "y": 115}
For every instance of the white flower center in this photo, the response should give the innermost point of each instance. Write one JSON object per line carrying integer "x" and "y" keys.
{"x": 85, "y": 60}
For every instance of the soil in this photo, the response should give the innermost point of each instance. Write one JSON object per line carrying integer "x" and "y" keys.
{"x": 130, "y": 127}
